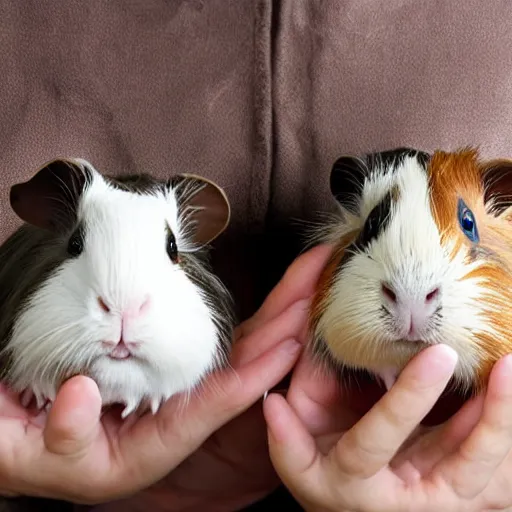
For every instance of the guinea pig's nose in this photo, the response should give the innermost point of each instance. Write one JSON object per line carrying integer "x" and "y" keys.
{"x": 411, "y": 311}
{"x": 389, "y": 293}
{"x": 432, "y": 296}
{"x": 392, "y": 296}
{"x": 103, "y": 305}
{"x": 134, "y": 308}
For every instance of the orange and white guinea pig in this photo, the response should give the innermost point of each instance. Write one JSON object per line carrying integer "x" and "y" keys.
{"x": 422, "y": 255}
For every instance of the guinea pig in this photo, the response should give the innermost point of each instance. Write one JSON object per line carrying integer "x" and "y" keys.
{"x": 422, "y": 254}
{"x": 109, "y": 277}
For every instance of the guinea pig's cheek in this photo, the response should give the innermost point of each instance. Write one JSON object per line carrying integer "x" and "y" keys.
{"x": 351, "y": 321}
{"x": 177, "y": 335}
{"x": 461, "y": 319}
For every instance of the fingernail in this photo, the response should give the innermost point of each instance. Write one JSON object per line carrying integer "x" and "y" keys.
{"x": 290, "y": 346}
{"x": 302, "y": 304}
{"x": 442, "y": 363}
{"x": 506, "y": 362}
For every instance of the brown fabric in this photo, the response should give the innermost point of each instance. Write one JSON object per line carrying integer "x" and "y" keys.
{"x": 144, "y": 85}
{"x": 260, "y": 96}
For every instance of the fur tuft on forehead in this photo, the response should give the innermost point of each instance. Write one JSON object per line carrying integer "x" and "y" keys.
{"x": 456, "y": 169}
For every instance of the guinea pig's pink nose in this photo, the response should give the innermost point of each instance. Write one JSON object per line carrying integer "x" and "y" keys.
{"x": 134, "y": 308}
{"x": 393, "y": 297}
{"x": 411, "y": 312}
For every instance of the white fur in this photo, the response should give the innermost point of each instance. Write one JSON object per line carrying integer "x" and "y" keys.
{"x": 409, "y": 255}
{"x": 124, "y": 260}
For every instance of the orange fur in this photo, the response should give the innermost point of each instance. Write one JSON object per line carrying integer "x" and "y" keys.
{"x": 326, "y": 280}
{"x": 461, "y": 174}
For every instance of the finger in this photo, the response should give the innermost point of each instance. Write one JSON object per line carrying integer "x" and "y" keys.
{"x": 371, "y": 443}
{"x": 298, "y": 282}
{"x": 292, "y": 449}
{"x": 469, "y": 470}
{"x": 315, "y": 397}
{"x": 439, "y": 442}
{"x": 73, "y": 420}
{"x": 285, "y": 326}
{"x": 236, "y": 391}
{"x": 460, "y": 425}
{"x": 158, "y": 443}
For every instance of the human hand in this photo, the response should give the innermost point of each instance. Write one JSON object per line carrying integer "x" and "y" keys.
{"x": 74, "y": 453}
{"x": 332, "y": 459}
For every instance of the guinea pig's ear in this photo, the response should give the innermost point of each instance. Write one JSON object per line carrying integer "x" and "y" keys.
{"x": 208, "y": 207}
{"x": 347, "y": 180}
{"x": 497, "y": 183}
{"x": 49, "y": 200}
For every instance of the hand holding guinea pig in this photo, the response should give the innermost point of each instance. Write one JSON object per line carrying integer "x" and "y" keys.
{"x": 421, "y": 257}
{"x": 73, "y": 452}
{"x": 333, "y": 459}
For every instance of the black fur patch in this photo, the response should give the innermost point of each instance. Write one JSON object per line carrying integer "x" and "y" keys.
{"x": 349, "y": 173}
{"x": 375, "y": 223}
{"x": 396, "y": 157}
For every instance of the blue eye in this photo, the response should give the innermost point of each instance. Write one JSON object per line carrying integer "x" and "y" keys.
{"x": 467, "y": 221}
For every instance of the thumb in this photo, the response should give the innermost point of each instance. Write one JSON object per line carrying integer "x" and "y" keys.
{"x": 292, "y": 449}
{"x": 74, "y": 418}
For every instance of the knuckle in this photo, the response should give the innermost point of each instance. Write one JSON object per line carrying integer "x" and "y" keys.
{"x": 399, "y": 414}
{"x": 463, "y": 481}
{"x": 356, "y": 457}
{"x": 501, "y": 423}
{"x": 487, "y": 449}
{"x": 351, "y": 464}
{"x": 405, "y": 404}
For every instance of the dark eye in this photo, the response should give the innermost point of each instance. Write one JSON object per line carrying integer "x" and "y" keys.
{"x": 467, "y": 221}
{"x": 172, "y": 248}
{"x": 76, "y": 243}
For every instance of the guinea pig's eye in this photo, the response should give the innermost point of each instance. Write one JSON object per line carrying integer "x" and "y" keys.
{"x": 467, "y": 221}
{"x": 76, "y": 243}
{"x": 172, "y": 247}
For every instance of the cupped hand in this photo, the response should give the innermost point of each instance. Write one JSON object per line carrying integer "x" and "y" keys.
{"x": 333, "y": 459}
{"x": 77, "y": 454}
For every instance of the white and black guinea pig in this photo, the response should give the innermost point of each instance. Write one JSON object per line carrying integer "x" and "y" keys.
{"x": 109, "y": 277}
{"x": 422, "y": 255}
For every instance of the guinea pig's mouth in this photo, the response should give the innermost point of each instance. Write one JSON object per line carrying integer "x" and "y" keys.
{"x": 406, "y": 341}
{"x": 119, "y": 351}
{"x": 414, "y": 343}
{"x": 119, "y": 356}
